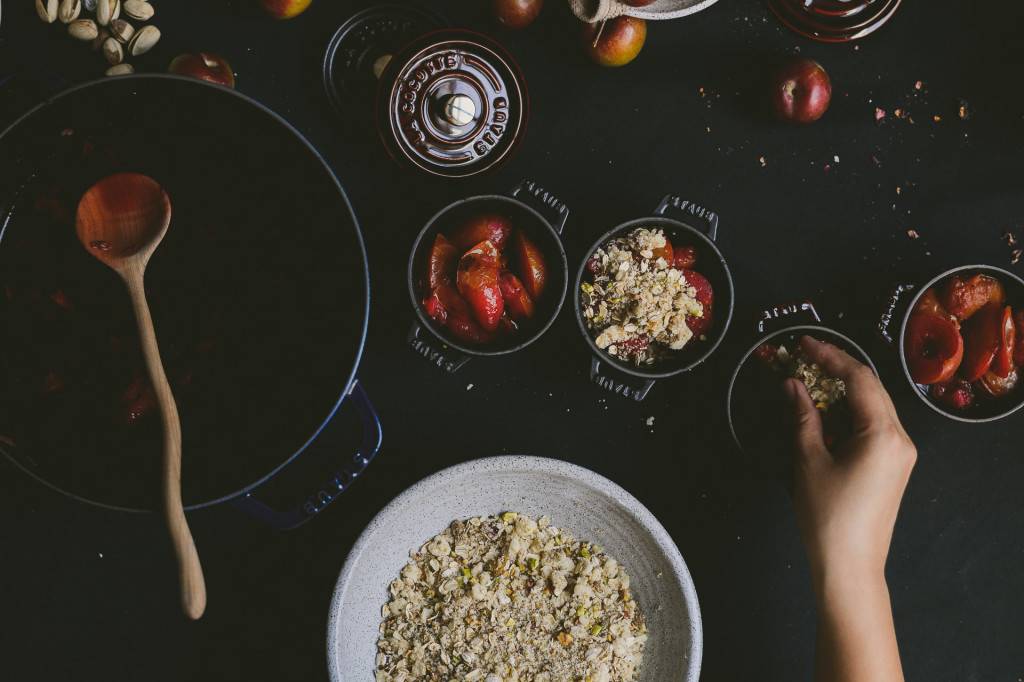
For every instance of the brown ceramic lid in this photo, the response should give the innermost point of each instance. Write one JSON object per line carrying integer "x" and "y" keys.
{"x": 452, "y": 103}
{"x": 833, "y": 20}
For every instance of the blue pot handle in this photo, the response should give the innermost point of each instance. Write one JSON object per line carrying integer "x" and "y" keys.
{"x": 637, "y": 390}
{"x": 20, "y": 68}
{"x": 709, "y": 217}
{"x": 329, "y": 491}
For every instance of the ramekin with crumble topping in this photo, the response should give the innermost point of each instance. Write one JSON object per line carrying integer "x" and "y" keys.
{"x": 644, "y": 302}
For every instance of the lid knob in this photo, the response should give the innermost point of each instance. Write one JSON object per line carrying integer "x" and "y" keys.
{"x": 459, "y": 109}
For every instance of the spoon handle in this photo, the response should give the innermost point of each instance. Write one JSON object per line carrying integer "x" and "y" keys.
{"x": 190, "y": 572}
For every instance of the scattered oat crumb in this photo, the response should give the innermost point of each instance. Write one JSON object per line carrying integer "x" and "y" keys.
{"x": 1016, "y": 256}
{"x": 840, "y": 316}
{"x": 879, "y": 115}
{"x": 897, "y": 190}
{"x": 962, "y": 109}
{"x": 836, "y": 159}
{"x": 650, "y": 421}
{"x": 827, "y": 166}
{"x": 762, "y": 162}
{"x": 856, "y": 47}
{"x": 912, "y": 234}
{"x": 1009, "y": 238}
{"x": 917, "y": 85}
{"x": 101, "y": 555}
{"x": 874, "y": 160}
{"x": 469, "y": 386}
{"x": 937, "y": 118}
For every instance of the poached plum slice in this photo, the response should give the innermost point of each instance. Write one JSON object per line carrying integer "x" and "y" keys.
{"x": 444, "y": 259}
{"x": 533, "y": 271}
{"x": 518, "y": 303}
{"x": 963, "y": 297}
{"x": 481, "y": 227}
{"x": 477, "y": 281}
{"x": 983, "y": 335}
{"x": 933, "y": 348}
{"x": 705, "y": 295}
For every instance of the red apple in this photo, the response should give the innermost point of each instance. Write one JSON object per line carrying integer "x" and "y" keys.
{"x": 616, "y": 41}
{"x": 284, "y": 9}
{"x": 801, "y": 90}
{"x": 516, "y": 14}
{"x": 208, "y": 66}
{"x": 933, "y": 348}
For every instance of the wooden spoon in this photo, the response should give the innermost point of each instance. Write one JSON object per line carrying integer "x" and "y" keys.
{"x": 121, "y": 220}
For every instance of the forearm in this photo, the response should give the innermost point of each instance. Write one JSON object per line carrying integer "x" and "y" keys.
{"x": 856, "y": 639}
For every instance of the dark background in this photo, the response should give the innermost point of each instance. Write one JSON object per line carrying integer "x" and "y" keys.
{"x": 89, "y": 593}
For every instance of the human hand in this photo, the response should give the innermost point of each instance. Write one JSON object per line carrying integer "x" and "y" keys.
{"x": 846, "y": 501}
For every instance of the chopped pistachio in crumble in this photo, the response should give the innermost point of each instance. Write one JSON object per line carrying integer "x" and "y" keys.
{"x": 509, "y": 599}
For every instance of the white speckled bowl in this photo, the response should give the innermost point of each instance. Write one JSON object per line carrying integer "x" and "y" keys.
{"x": 588, "y": 506}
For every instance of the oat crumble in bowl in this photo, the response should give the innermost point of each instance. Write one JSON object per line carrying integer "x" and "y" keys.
{"x": 644, "y": 302}
{"x": 507, "y": 599}
{"x": 580, "y": 503}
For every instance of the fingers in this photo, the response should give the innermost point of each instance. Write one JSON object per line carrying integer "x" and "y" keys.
{"x": 808, "y": 433}
{"x": 865, "y": 394}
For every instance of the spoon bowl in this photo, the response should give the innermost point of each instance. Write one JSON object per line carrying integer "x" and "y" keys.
{"x": 121, "y": 220}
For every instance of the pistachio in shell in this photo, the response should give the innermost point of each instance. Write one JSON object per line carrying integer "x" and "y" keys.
{"x": 83, "y": 29}
{"x": 69, "y": 10}
{"x": 122, "y": 30}
{"x": 107, "y": 11}
{"x": 113, "y": 52}
{"x": 119, "y": 69}
{"x": 138, "y": 9}
{"x": 143, "y": 40}
{"x": 47, "y": 10}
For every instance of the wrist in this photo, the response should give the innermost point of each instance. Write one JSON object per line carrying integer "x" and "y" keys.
{"x": 848, "y": 581}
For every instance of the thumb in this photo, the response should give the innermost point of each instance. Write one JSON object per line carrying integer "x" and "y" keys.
{"x": 808, "y": 434}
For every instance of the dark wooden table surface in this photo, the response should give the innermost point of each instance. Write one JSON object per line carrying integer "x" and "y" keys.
{"x": 824, "y": 212}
